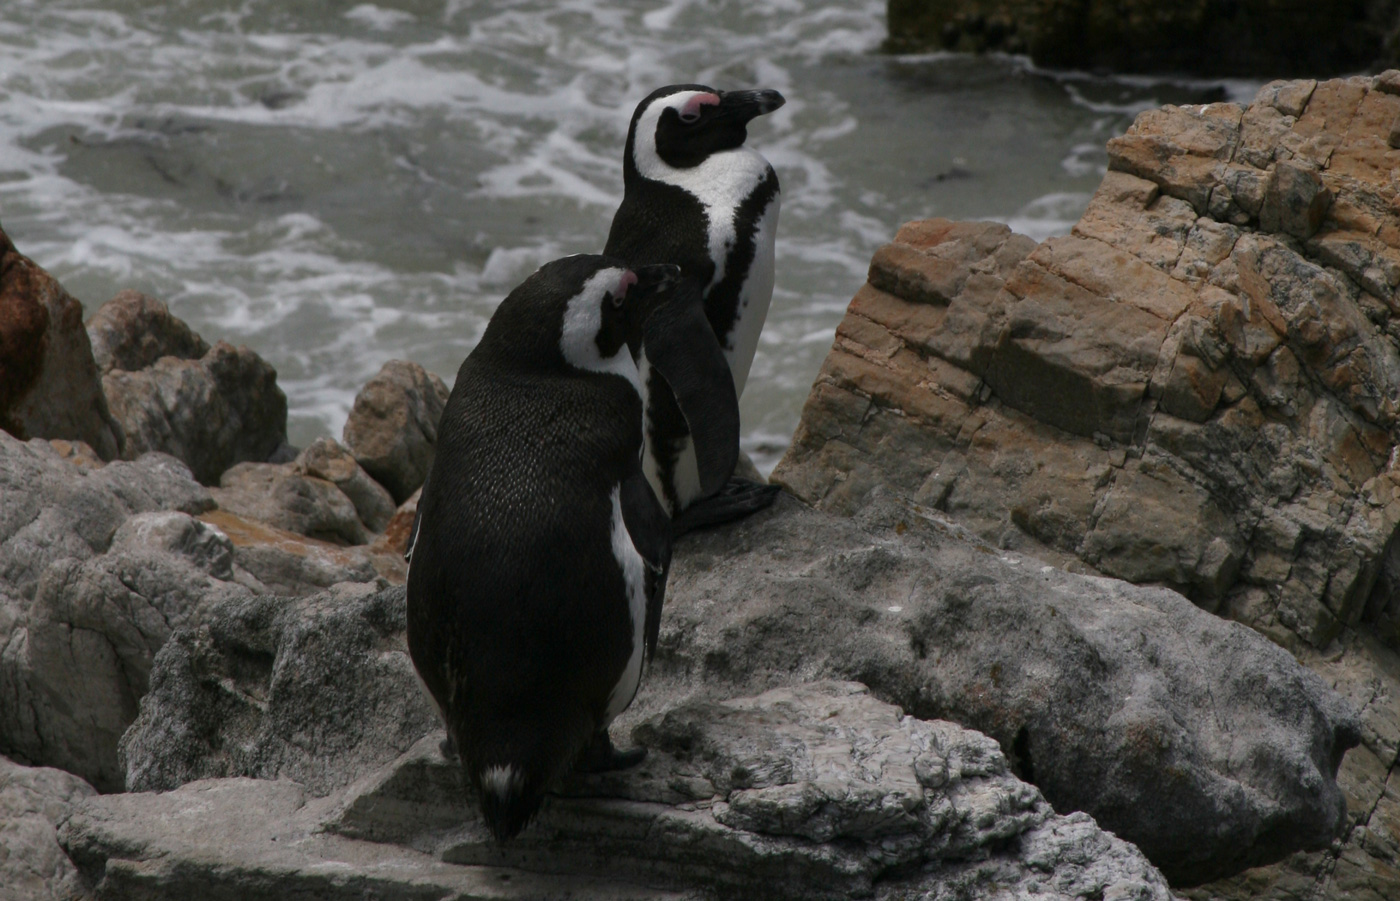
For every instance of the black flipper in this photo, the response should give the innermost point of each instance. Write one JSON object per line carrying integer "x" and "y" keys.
{"x": 601, "y": 757}
{"x": 737, "y": 499}
{"x": 681, "y": 345}
{"x": 650, "y": 530}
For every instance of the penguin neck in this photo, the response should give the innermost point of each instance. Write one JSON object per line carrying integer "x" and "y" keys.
{"x": 720, "y": 182}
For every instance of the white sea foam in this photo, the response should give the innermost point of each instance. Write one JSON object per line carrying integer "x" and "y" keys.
{"x": 339, "y": 187}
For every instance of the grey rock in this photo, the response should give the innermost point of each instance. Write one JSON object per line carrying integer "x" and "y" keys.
{"x": 276, "y": 561}
{"x": 49, "y": 385}
{"x": 282, "y": 495}
{"x": 727, "y": 804}
{"x": 133, "y": 330}
{"x": 1094, "y": 687}
{"x": 319, "y": 690}
{"x": 327, "y": 459}
{"x": 212, "y": 412}
{"x": 51, "y": 508}
{"x": 72, "y": 681}
{"x": 33, "y": 801}
{"x": 392, "y": 428}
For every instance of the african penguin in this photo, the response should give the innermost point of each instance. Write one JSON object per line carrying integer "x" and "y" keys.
{"x": 540, "y": 553}
{"x": 694, "y": 195}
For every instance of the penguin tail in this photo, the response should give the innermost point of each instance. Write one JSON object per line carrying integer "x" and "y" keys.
{"x": 512, "y": 763}
{"x": 507, "y": 801}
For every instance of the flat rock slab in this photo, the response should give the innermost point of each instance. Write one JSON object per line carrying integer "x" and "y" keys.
{"x": 812, "y": 791}
{"x": 1162, "y": 721}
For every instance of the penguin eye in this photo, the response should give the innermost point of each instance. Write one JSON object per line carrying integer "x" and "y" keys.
{"x": 616, "y": 300}
{"x": 690, "y": 117}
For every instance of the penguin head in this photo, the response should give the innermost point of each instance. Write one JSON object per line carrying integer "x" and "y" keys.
{"x": 581, "y": 312}
{"x": 681, "y": 125}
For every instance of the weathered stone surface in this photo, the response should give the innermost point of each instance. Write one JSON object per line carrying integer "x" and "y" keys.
{"x": 812, "y": 791}
{"x": 1096, "y": 687}
{"x": 1206, "y": 37}
{"x": 49, "y": 385}
{"x": 33, "y": 801}
{"x": 133, "y": 330}
{"x": 50, "y": 508}
{"x": 1241, "y": 451}
{"x": 392, "y": 429}
{"x": 211, "y": 412}
{"x": 281, "y": 495}
{"x": 326, "y": 459}
{"x": 319, "y": 690}
{"x": 74, "y": 677}
{"x": 277, "y": 561}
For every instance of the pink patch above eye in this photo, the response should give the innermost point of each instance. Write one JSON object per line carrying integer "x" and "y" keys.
{"x": 691, "y": 109}
{"x": 629, "y": 278}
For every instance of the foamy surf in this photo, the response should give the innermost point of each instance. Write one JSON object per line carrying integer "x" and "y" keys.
{"x": 336, "y": 188}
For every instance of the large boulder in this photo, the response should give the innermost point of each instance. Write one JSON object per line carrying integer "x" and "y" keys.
{"x": 72, "y": 678}
{"x": 319, "y": 690}
{"x": 807, "y": 792}
{"x": 1195, "y": 388}
{"x": 171, "y": 392}
{"x": 392, "y": 428}
{"x": 283, "y": 496}
{"x": 33, "y": 801}
{"x": 1094, "y": 687}
{"x": 1203, "y": 37}
{"x": 49, "y": 385}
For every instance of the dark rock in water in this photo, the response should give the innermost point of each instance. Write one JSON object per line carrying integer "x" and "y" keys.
{"x": 806, "y": 792}
{"x": 49, "y": 385}
{"x": 33, "y": 801}
{"x": 1207, "y": 37}
{"x": 392, "y": 429}
{"x": 284, "y": 497}
{"x": 1095, "y": 687}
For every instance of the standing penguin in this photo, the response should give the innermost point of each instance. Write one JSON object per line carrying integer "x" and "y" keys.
{"x": 694, "y": 195}
{"x": 540, "y": 553}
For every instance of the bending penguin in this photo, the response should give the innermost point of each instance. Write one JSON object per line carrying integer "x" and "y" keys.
{"x": 695, "y": 196}
{"x": 540, "y": 553}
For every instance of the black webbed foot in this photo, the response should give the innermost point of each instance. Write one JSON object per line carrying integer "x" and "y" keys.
{"x": 737, "y": 499}
{"x": 601, "y": 757}
{"x": 447, "y": 747}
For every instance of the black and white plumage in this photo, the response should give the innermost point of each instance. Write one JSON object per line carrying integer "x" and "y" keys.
{"x": 695, "y": 196}
{"x": 540, "y": 553}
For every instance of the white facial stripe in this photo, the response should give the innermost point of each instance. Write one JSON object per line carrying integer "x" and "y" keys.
{"x": 634, "y": 577}
{"x": 720, "y": 183}
{"x": 583, "y": 319}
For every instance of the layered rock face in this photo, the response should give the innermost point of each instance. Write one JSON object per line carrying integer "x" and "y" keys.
{"x": 1197, "y": 388}
{"x": 1203, "y": 37}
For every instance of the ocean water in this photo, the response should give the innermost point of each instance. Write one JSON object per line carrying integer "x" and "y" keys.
{"x": 338, "y": 184}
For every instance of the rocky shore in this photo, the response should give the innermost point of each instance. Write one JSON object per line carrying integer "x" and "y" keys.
{"x": 926, "y": 673}
{"x": 1206, "y": 37}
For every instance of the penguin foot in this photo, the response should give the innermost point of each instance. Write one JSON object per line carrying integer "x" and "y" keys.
{"x": 601, "y": 757}
{"x": 447, "y": 747}
{"x": 737, "y": 499}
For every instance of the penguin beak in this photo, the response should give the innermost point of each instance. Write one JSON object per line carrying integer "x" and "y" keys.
{"x": 746, "y": 105}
